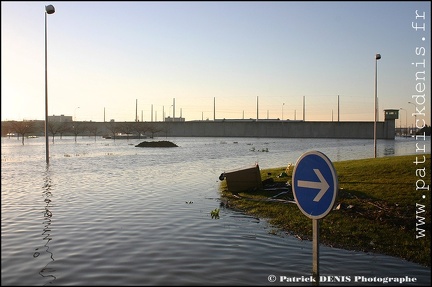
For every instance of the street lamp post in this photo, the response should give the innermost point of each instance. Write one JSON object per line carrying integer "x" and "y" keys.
{"x": 283, "y": 104}
{"x": 377, "y": 57}
{"x": 75, "y": 113}
{"x": 48, "y": 10}
{"x": 406, "y": 127}
{"x": 415, "y": 117}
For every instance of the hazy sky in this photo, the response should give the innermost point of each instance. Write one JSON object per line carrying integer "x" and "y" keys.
{"x": 104, "y": 57}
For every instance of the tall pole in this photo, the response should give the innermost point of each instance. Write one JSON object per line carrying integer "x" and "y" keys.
{"x": 48, "y": 10}
{"x": 304, "y": 103}
{"x": 283, "y": 104}
{"x": 377, "y": 57}
{"x": 338, "y": 109}
{"x": 136, "y": 110}
{"x": 214, "y": 108}
{"x": 173, "y": 109}
{"x": 415, "y": 117}
{"x": 46, "y": 96}
{"x": 75, "y": 113}
{"x": 400, "y": 126}
{"x": 257, "y": 108}
{"x": 406, "y": 126}
{"x": 315, "y": 251}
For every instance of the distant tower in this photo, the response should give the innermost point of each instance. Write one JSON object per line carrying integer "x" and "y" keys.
{"x": 304, "y": 103}
{"x": 257, "y": 107}
{"x": 173, "y": 109}
{"x": 136, "y": 110}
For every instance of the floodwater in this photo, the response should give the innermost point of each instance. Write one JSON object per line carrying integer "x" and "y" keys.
{"x": 107, "y": 213}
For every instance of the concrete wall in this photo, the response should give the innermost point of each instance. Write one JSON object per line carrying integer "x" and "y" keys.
{"x": 279, "y": 129}
{"x": 238, "y": 128}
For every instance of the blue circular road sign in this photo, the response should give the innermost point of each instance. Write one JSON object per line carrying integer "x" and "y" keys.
{"x": 315, "y": 184}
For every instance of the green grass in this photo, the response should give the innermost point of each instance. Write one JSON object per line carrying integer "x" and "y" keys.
{"x": 382, "y": 219}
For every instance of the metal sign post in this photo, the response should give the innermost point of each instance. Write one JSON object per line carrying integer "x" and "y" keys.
{"x": 315, "y": 188}
{"x": 315, "y": 251}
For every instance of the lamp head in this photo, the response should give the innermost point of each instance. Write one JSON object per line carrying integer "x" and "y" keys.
{"x": 377, "y": 56}
{"x": 50, "y": 9}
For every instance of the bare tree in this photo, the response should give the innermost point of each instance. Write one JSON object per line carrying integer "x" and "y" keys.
{"x": 23, "y": 128}
{"x": 92, "y": 129}
{"x": 77, "y": 128}
{"x": 127, "y": 128}
{"x": 7, "y": 129}
{"x": 113, "y": 127}
{"x": 57, "y": 128}
{"x": 153, "y": 129}
{"x": 141, "y": 128}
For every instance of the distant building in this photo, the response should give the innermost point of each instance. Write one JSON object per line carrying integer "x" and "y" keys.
{"x": 170, "y": 119}
{"x": 391, "y": 114}
{"x": 59, "y": 119}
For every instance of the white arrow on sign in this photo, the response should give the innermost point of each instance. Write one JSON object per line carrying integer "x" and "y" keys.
{"x": 322, "y": 185}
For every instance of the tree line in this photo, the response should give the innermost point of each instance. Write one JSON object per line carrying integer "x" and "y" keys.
{"x": 25, "y": 129}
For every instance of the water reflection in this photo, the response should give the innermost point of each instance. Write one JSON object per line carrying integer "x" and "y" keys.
{"x": 389, "y": 148}
{"x": 46, "y": 271}
{"x": 135, "y": 212}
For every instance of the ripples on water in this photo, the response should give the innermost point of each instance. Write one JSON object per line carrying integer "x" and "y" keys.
{"x": 108, "y": 213}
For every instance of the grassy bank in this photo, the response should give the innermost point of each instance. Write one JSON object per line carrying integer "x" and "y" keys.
{"x": 376, "y": 208}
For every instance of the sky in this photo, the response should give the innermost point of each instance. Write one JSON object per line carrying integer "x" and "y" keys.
{"x": 233, "y": 60}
